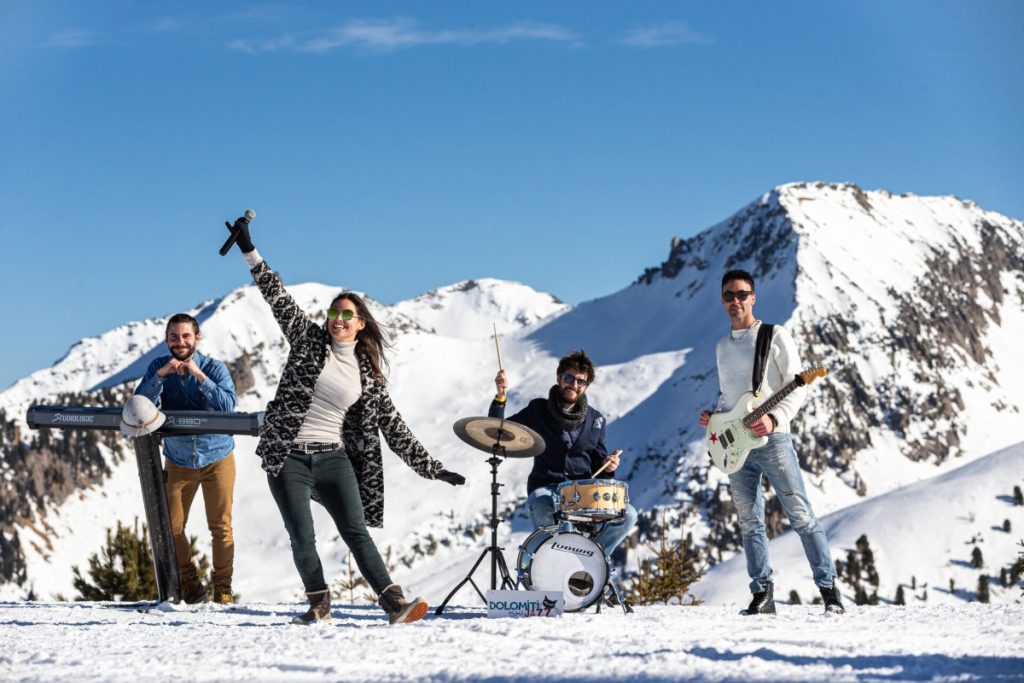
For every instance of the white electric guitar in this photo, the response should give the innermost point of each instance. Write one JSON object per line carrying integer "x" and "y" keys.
{"x": 729, "y": 437}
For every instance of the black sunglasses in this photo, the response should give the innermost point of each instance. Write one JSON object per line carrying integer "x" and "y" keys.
{"x": 571, "y": 380}
{"x": 742, "y": 295}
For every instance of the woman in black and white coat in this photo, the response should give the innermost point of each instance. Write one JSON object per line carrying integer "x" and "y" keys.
{"x": 321, "y": 438}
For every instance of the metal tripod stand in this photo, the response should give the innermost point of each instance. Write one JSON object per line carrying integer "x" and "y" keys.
{"x": 497, "y": 558}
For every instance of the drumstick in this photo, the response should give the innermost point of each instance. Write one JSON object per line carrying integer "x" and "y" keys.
{"x": 601, "y": 469}
{"x": 496, "y": 347}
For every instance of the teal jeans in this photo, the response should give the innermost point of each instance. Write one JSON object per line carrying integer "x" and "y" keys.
{"x": 334, "y": 479}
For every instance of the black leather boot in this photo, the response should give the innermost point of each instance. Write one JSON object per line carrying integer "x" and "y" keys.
{"x": 398, "y": 609}
{"x": 319, "y": 608}
{"x": 763, "y": 602}
{"x": 833, "y": 603}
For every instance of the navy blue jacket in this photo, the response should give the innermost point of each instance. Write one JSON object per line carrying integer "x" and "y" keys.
{"x": 559, "y": 463}
{"x": 184, "y": 392}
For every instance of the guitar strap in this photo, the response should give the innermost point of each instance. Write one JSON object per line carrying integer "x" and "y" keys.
{"x": 761, "y": 348}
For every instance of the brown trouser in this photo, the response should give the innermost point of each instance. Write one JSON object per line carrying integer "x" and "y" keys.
{"x": 218, "y": 482}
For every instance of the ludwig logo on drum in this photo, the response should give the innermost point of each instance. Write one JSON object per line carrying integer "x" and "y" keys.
{"x": 572, "y": 549}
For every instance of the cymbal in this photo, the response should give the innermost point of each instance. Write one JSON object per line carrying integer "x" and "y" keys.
{"x": 519, "y": 441}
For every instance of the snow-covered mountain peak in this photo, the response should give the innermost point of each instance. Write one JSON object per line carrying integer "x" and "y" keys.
{"x": 467, "y": 309}
{"x": 914, "y": 304}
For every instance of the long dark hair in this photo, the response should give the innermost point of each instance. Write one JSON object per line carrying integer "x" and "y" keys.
{"x": 371, "y": 341}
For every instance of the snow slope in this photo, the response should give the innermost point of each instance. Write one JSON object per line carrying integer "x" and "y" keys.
{"x": 925, "y": 530}
{"x": 90, "y": 642}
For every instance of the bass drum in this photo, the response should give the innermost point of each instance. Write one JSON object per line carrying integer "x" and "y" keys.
{"x": 553, "y": 560}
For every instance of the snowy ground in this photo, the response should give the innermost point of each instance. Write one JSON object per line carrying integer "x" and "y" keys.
{"x": 90, "y": 642}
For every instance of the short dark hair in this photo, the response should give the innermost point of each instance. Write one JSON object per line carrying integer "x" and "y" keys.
{"x": 178, "y": 318}
{"x": 580, "y": 362}
{"x": 738, "y": 275}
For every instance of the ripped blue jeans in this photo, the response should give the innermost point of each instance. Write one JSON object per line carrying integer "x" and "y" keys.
{"x": 777, "y": 461}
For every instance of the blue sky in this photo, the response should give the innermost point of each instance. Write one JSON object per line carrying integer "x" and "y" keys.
{"x": 398, "y": 147}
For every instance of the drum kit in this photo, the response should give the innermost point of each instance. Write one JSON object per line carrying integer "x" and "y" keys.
{"x": 564, "y": 557}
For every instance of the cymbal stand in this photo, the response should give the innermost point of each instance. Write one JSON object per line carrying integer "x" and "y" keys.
{"x": 497, "y": 558}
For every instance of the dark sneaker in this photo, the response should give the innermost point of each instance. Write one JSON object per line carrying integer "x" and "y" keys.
{"x": 763, "y": 602}
{"x": 319, "y": 608}
{"x": 833, "y": 603}
{"x": 400, "y": 611}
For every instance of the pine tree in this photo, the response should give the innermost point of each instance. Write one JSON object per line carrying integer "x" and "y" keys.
{"x": 983, "y": 595}
{"x": 353, "y": 580}
{"x": 976, "y": 559}
{"x": 900, "y": 598}
{"x": 123, "y": 570}
{"x": 1018, "y": 496}
{"x": 1006, "y": 525}
{"x": 667, "y": 576}
{"x": 794, "y": 598}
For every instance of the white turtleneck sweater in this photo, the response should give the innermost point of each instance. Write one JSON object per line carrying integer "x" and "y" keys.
{"x": 337, "y": 388}
{"x": 735, "y": 352}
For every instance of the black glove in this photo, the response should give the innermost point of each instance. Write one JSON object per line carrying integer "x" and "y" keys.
{"x": 244, "y": 241}
{"x": 451, "y": 478}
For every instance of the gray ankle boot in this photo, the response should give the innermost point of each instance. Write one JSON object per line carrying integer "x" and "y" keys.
{"x": 319, "y": 608}
{"x": 399, "y": 610}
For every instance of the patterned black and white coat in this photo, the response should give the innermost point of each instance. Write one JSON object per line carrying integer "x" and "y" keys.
{"x": 370, "y": 416}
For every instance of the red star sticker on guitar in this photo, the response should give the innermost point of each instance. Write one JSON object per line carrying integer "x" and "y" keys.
{"x": 714, "y": 437}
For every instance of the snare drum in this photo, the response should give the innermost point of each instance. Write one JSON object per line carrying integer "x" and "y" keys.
{"x": 593, "y": 500}
{"x": 553, "y": 560}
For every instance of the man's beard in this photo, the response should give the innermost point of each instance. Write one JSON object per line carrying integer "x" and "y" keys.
{"x": 183, "y": 355}
{"x": 567, "y": 402}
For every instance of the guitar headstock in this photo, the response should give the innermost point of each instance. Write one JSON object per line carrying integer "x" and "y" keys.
{"x": 808, "y": 376}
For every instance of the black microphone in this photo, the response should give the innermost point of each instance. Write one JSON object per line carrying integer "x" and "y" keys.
{"x": 249, "y": 215}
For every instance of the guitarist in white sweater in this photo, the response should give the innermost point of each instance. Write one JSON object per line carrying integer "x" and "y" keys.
{"x": 777, "y": 459}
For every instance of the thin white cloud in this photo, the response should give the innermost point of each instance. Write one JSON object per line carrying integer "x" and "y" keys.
{"x": 74, "y": 37}
{"x": 165, "y": 25}
{"x": 397, "y": 34}
{"x": 671, "y": 33}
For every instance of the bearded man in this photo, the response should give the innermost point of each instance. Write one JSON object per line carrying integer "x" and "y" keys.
{"x": 188, "y": 380}
{"x": 574, "y": 439}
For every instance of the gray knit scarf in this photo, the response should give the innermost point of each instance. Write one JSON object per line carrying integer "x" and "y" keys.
{"x": 571, "y": 419}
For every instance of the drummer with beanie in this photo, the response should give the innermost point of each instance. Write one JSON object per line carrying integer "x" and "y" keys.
{"x": 574, "y": 438}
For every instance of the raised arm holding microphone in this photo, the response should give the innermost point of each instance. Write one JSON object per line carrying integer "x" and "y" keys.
{"x": 321, "y": 436}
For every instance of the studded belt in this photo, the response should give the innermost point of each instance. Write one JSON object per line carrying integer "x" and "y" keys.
{"x": 314, "y": 447}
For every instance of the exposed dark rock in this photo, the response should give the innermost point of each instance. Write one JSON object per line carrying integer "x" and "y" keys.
{"x": 48, "y": 468}
{"x": 241, "y": 370}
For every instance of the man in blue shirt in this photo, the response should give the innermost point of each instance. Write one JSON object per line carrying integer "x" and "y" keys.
{"x": 188, "y": 380}
{"x": 573, "y": 434}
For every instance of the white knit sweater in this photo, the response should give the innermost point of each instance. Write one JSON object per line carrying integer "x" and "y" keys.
{"x": 735, "y": 353}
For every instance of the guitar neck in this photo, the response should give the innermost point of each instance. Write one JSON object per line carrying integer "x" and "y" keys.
{"x": 775, "y": 399}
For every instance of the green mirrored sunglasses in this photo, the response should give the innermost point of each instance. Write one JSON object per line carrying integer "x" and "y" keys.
{"x": 333, "y": 314}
